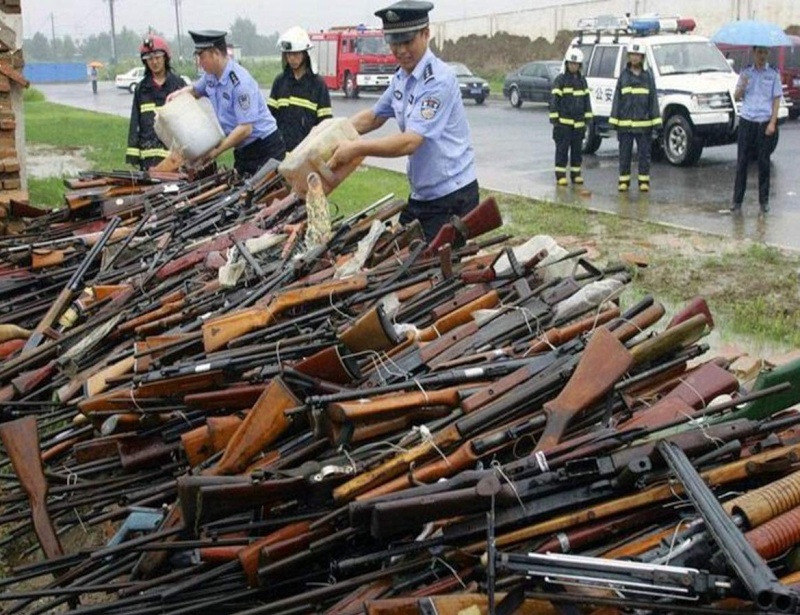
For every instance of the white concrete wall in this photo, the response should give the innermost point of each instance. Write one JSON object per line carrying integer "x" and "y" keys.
{"x": 547, "y": 21}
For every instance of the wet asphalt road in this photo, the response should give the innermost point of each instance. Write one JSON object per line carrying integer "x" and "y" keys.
{"x": 514, "y": 153}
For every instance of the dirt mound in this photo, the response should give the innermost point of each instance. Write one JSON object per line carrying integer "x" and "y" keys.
{"x": 502, "y": 52}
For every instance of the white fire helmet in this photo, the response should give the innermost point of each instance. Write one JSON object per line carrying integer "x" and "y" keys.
{"x": 636, "y": 47}
{"x": 574, "y": 55}
{"x": 294, "y": 39}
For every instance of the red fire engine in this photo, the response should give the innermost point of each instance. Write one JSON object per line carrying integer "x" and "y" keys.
{"x": 352, "y": 59}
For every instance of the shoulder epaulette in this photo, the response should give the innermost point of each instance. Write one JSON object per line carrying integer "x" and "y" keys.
{"x": 234, "y": 78}
{"x": 427, "y": 74}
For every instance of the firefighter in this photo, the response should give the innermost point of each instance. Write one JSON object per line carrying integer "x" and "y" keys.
{"x": 570, "y": 110}
{"x": 425, "y": 100}
{"x": 145, "y": 149}
{"x": 250, "y": 130}
{"x": 634, "y": 114}
{"x": 299, "y": 99}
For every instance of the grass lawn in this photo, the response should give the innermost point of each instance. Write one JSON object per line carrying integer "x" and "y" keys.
{"x": 681, "y": 264}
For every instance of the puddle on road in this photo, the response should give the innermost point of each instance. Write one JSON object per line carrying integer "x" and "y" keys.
{"x": 51, "y": 161}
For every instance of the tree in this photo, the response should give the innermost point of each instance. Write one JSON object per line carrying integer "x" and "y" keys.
{"x": 37, "y": 49}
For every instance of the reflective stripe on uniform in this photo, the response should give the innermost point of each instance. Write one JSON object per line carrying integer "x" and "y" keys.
{"x": 633, "y": 90}
{"x": 147, "y": 107}
{"x": 293, "y": 101}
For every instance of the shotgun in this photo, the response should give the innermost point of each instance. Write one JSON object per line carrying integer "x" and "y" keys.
{"x": 74, "y": 284}
{"x": 484, "y": 217}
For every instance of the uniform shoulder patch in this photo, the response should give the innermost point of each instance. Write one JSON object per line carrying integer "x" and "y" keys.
{"x": 427, "y": 74}
{"x": 234, "y": 78}
{"x": 244, "y": 101}
{"x": 429, "y": 107}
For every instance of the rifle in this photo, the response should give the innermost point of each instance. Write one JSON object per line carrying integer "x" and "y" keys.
{"x": 484, "y": 217}
{"x": 21, "y": 441}
{"x": 74, "y": 284}
{"x": 762, "y": 585}
{"x": 218, "y": 331}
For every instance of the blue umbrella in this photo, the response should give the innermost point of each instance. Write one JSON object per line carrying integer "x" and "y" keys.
{"x": 752, "y": 33}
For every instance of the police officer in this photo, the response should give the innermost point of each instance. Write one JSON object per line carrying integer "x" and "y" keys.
{"x": 238, "y": 104}
{"x": 570, "y": 110}
{"x": 634, "y": 114}
{"x": 145, "y": 149}
{"x": 299, "y": 99}
{"x": 759, "y": 88}
{"x": 425, "y": 99}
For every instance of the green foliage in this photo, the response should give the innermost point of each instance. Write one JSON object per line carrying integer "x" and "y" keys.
{"x": 365, "y": 186}
{"x": 32, "y": 95}
{"x": 47, "y": 192}
{"x": 264, "y": 70}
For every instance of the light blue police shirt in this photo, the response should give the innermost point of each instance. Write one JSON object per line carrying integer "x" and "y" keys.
{"x": 428, "y": 102}
{"x": 237, "y": 99}
{"x": 763, "y": 86}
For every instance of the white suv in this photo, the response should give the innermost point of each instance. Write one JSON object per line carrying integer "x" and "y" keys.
{"x": 694, "y": 82}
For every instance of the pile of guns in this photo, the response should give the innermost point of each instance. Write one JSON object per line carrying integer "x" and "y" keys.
{"x": 221, "y": 416}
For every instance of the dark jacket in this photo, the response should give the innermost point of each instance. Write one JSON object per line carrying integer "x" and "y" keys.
{"x": 570, "y": 103}
{"x": 145, "y": 150}
{"x": 298, "y": 105}
{"x": 635, "y": 106}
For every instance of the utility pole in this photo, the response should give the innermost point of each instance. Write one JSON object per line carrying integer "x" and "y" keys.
{"x": 177, "y": 4}
{"x": 113, "y": 33}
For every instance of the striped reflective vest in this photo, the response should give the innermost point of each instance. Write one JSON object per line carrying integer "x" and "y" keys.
{"x": 298, "y": 105}
{"x": 635, "y": 106}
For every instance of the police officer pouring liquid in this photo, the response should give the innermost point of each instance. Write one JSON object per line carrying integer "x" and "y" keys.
{"x": 238, "y": 104}
{"x": 570, "y": 110}
{"x": 425, "y": 99}
{"x": 760, "y": 90}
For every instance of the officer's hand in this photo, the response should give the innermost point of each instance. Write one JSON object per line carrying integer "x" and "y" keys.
{"x": 342, "y": 155}
{"x": 172, "y": 95}
{"x": 770, "y": 129}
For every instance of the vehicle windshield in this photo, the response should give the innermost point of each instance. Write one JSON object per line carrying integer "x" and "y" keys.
{"x": 554, "y": 69}
{"x": 461, "y": 69}
{"x": 372, "y": 45}
{"x": 792, "y": 58}
{"x": 688, "y": 58}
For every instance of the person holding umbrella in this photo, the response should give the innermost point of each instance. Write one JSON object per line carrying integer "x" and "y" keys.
{"x": 759, "y": 88}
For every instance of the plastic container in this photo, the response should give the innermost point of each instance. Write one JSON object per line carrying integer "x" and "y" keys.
{"x": 313, "y": 154}
{"x": 188, "y": 125}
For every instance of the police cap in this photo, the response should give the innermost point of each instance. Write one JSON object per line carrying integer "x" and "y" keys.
{"x": 205, "y": 39}
{"x": 402, "y": 20}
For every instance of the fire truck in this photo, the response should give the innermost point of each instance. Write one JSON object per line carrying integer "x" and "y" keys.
{"x": 353, "y": 58}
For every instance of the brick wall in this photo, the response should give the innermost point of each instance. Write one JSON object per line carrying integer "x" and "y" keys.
{"x": 12, "y": 126}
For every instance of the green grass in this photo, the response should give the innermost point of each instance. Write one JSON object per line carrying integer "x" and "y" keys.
{"x": 750, "y": 287}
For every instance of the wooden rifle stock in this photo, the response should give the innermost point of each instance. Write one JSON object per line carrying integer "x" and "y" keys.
{"x": 671, "y": 339}
{"x": 484, "y": 217}
{"x": 203, "y": 442}
{"x": 219, "y": 331}
{"x": 74, "y": 284}
{"x": 21, "y": 441}
{"x": 459, "y": 316}
{"x": 602, "y": 363}
{"x": 264, "y": 424}
{"x": 375, "y": 408}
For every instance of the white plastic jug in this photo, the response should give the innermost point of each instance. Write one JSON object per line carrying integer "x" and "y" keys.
{"x": 189, "y": 125}
{"x": 313, "y": 153}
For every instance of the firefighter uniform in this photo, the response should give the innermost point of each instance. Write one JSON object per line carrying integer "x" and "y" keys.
{"x": 298, "y": 105}
{"x": 570, "y": 110}
{"x": 634, "y": 114}
{"x": 145, "y": 149}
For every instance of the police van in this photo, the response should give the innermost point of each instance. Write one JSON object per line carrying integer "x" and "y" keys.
{"x": 695, "y": 83}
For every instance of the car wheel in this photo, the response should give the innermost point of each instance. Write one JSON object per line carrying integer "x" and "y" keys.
{"x": 350, "y": 86}
{"x": 514, "y": 97}
{"x": 591, "y": 140}
{"x": 479, "y": 100}
{"x": 681, "y": 147}
{"x": 132, "y": 87}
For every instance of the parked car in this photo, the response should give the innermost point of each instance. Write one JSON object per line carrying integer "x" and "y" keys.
{"x": 532, "y": 82}
{"x": 129, "y": 81}
{"x": 471, "y": 85}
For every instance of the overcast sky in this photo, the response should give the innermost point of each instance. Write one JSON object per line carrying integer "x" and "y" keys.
{"x": 81, "y": 18}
